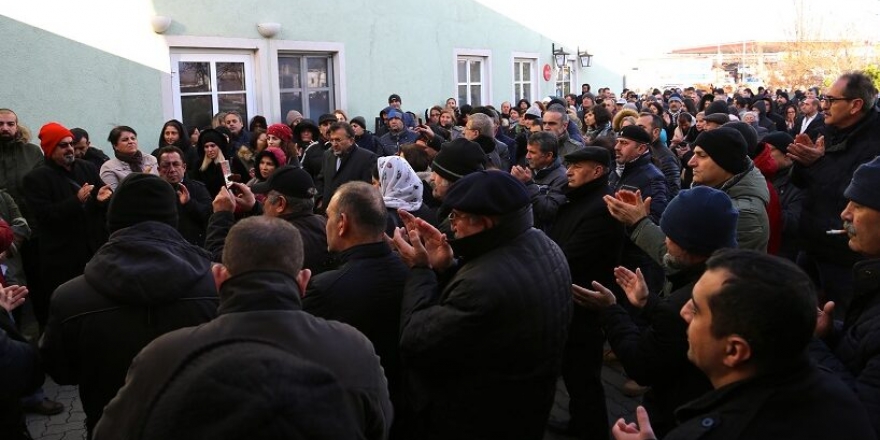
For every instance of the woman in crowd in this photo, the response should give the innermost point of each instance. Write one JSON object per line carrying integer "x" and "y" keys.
{"x": 174, "y": 133}
{"x": 280, "y": 136}
{"x": 267, "y": 162}
{"x": 790, "y": 112}
{"x": 597, "y": 123}
{"x": 306, "y": 135}
{"x": 127, "y": 158}
{"x": 210, "y": 149}
{"x": 259, "y": 140}
{"x": 257, "y": 122}
{"x": 447, "y": 121}
{"x": 523, "y": 105}
{"x": 341, "y": 116}
{"x": 401, "y": 188}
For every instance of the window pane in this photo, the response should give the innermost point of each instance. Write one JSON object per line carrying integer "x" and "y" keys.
{"x": 527, "y": 72}
{"x": 517, "y": 92}
{"x": 527, "y": 92}
{"x": 194, "y": 77}
{"x": 475, "y": 71}
{"x": 517, "y": 71}
{"x": 234, "y": 101}
{"x": 288, "y": 73}
{"x": 317, "y": 72}
{"x": 462, "y": 95}
{"x": 475, "y": 96}
{"x": 319, "y": 103}
{"x": 230, "y": 77}
{"x": 462, "y": 72}
{"x": 291, "y": 101}
{"x": 197, "y": 110}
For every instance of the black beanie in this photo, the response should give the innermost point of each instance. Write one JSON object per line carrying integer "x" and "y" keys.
{"x": 779, "y": 140}
{"x": 142, "y": 197}
{"x": 458, "y": 158}
{"x": 864, "y": 188}
{"x": 726, "y": 147}
{"x": 359, "y": 120}
{"x": 215, "y": 136}
{"x": 749, "y": 134}
{"x": 717, "y": 107}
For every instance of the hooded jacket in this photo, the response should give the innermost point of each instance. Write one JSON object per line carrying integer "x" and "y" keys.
{"x": 144, "y": 282}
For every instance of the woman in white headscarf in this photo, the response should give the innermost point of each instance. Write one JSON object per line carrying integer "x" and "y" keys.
{"x": 401, "y": 188}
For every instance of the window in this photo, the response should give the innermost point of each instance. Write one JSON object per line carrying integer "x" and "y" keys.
{"x": 565, "y": 79}
{"x": 206, "y": 84}
{"x": 471, "y": 80}
{"x": 306, "y": 84}
{"x": 523, "y": 79}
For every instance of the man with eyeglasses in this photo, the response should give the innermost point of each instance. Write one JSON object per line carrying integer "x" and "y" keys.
{"x": 343, "y": 162}
{"x": 823, "y": 169}
{"x": 193, "y": 200}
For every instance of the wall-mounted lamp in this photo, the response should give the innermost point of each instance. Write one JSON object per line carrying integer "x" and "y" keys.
{"x": 560, "y": 55}
{"x": 269, "y": 30}
{"x": 585, "y": 57}
{"x": 160, "y": 23}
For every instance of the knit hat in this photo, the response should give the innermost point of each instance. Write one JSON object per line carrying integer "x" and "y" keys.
{"x": 533, "y": 113}
{"x": 359, "y": 120}
{"x": 289, "y": 180}
{"x": 394, "y": 97}
{"x": 590, "y": 153}
{"x": 701, "y": 220}
{"x": 142, "y": 197}
{"x": 458, "y": 158}
{"x": 675, "y": 97}
{"x": 293, "y": 116}
{"x": 749, "y": 134}
{"x": 280, "y": 131}
{"x": 327, "y": 117}
{"x": 306, "y": 125}
{"x": 636, "y": 134}
{"x": 491, "y": 192}
{"x": 726, "y": 147}
{"x": 779, "y": 140}
{"x": 273, "y": 153}
{"x": 718, "y": 107}
{"x": 248, "y": 389}
{"x": 50, "y": 135}
{"x": 212, "y": 135}
{"x": 864, "y": 188}
{"x": 394, "y": 114}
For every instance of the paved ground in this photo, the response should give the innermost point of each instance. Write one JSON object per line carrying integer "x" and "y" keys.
{"x": 69, "y": 424}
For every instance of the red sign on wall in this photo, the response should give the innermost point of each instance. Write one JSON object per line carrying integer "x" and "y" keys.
{"x": 547, "y": 72}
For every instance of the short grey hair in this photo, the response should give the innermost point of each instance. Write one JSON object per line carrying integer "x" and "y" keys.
{"x": 483, "y": 124}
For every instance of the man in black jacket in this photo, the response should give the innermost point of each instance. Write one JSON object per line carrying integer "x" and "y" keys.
{"x": 68, "y": 201}
{"x": 656, "y": 356}
{"x": 343, "y": 162}
{"x": 145, "y": 281}
{"x": 750, "y": 320}
{"x": 193, "y": 200}
{"x": 366, "y": 288}
{"x": 592, "y": 241}
{"x": 260, "y": 281}
{"x": 482, "y": 337}
{"x": 544, "y": 178}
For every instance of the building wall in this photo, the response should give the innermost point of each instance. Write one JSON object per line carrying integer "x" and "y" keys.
{"x": 97, "y": 64}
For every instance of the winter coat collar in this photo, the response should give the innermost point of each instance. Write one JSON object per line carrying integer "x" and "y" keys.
{"x": 261, "y": 290}
{"x": 574, "y": 194}
{"x": 364, "y": 252}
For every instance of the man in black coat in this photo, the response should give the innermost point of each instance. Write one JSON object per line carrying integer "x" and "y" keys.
{"x": 260, "y": 281}
{"x": 544, "y": 178}
{"x": 193, "y": 200}
{"x": 290, "y": 196}
{"x": 343, "y": 162}
{"x": 68, "y": 201}
{"x": 812, "y": 123}
{"x": 592, "y": 241}
{"x": 852, "y": 348}
{"x": 750, "y": 320}
{"x": 145, "y": 281}
{"x": 656, "y": 355}
{"x": 482, "y": 336}
{"x": 366, "y": 288}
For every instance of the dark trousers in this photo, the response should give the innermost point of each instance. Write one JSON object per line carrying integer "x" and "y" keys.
{"x": 37, "y": 291}
{"x": 582, "y": 374}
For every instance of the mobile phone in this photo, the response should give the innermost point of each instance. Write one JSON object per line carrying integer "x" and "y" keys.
{"x": 227, "y": 171}
{"x": 628, "y": 188}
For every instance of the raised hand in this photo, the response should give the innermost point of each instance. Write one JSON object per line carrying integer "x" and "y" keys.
{"x": 593, "y": 299}
{"x": 12, "y": 297}
{"x": 633, "y": 284}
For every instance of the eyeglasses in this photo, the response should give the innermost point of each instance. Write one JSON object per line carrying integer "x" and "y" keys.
{"x": 830, "y": 100}
{"x": 453, "y": 216}
{"x": 65, "y": 144}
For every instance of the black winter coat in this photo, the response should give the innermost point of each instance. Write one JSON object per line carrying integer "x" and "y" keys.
{"x": 21, "y": 373}
{"x": 258, "y": 306}
{"x": 70, "y": 231}
{"x": 365, "y": 292}
{"x": 854, "y": 353}
{"x": 800, "y": 402}
{"x": 482, "y": 350}
{"x": 192, "y": 218}
{"x": 356, "y": 165}
{"x": 824, "y": 183}
{"x": 644, "y": 175}
{"x": 146, "y": 281}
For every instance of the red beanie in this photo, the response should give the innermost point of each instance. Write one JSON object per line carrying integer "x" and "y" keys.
{"x": 50, "y": 135}
{"x": 280, "y": 131}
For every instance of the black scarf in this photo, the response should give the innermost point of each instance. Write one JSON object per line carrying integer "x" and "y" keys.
{"x": 134, "y": 160}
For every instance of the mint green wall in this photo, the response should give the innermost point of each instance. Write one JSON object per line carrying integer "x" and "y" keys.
{"x": 50, "y": 78}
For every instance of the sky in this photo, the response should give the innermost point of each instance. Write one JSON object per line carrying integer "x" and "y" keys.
{"x": 619, "y": 33}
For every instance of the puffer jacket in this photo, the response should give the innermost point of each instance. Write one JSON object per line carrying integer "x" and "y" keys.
{"x": 144, "y": 282}
{"x": 482, "y": 350}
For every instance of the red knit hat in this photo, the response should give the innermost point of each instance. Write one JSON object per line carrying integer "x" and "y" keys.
{"x": 50, "y": 135}
{"x": 280, "y": 131}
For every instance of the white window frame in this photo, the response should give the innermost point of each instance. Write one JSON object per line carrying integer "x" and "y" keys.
{"x": 485, "y": 57}
{"x": 214, "y": 57}
{"x": 519, "y": 57}
{"x": 283, "y": 47}
{"x": 572, "y": 78}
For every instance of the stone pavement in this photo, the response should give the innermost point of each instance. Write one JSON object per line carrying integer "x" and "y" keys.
{"x": 69, "y": 424}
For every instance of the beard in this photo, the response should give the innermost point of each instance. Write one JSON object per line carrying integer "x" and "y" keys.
{"x": 69, "y": 159}
{"x": 673, "y": 262}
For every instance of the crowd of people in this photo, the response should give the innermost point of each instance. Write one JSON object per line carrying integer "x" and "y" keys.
{"x": 434, "y": 278}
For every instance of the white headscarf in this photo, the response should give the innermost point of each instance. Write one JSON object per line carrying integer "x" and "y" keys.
{"x": 400, "y": 186}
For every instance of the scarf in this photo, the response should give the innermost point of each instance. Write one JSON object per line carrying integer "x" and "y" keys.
{"x": 134, "y": 160}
